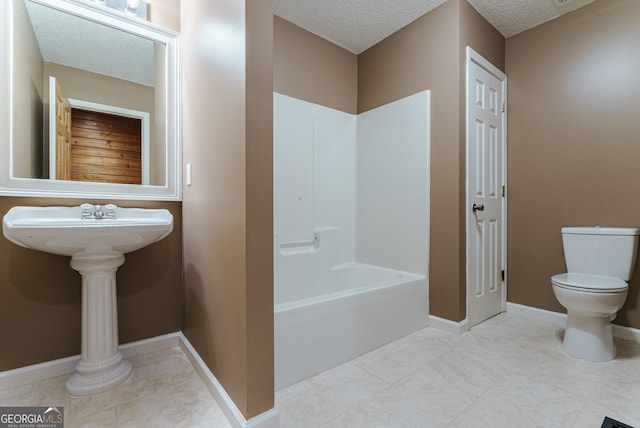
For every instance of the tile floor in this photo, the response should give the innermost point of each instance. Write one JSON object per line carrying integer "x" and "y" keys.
{"x": 164, "y": 391}
{"x": 506, "y": 372}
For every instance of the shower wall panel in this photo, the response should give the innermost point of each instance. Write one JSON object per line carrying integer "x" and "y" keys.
{"x": 314, "y": 177}
{"x": 335, "y": 183}
{"x": 293, "y": 169}
{"x": 357, "y": 184}
{"x": 393, "y": 185}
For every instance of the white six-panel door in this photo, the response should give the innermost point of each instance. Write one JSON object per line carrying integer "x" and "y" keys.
{"x": 486, "y": 148}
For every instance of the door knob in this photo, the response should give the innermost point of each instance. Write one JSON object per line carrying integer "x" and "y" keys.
{"x": 476, "y": 207}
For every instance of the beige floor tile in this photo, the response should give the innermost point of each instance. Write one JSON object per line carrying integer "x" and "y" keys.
{"x": 16, "y": 396}
{"x": 481, "y": 375}
{"x": 346, "y": 385}
{"x": 486, "y": 412}
{"x": 400, "y": 359}
{"x": 301, "y": 406}
{"x": 179, "y": 406}
{"x": 508, "y": 371}
{"x": 618, "y": 401}
{"x": 164, "y": 390}
{"x": 49, "y": 392}
{"x": 366, "y": 415}
{"x": 427, "y": 392}
{"x": 316, "y": 401}
{"x": 104, "y": 419}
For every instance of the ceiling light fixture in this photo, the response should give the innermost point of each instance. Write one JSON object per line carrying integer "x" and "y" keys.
{"x": 137, "y": 8}
{"x": 132, "y": 6}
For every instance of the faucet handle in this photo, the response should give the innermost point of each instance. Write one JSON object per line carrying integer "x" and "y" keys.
{"x": 110, "y": 210}
{"x": 87, "y": 211}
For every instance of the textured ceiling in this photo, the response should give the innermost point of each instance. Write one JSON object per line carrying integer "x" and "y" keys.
{"x": 357, "y": 25}
{"x": 77, "y": 42}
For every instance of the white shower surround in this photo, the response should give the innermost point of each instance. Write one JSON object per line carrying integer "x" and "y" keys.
{"x": 351, "y": 220}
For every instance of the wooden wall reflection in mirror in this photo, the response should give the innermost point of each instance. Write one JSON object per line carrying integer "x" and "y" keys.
{"x": 94, "y": 102}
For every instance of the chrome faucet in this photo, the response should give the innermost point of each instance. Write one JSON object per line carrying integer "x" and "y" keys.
{"x": 98, "y": 212}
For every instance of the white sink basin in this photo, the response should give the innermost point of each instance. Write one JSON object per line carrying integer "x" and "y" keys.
{"x": 61, "y": 230}
{"x": 96, "y": 238}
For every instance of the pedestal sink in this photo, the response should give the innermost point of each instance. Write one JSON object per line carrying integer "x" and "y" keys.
{"x": 96, "y": 237}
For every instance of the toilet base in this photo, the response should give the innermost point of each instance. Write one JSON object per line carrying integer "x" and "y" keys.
{"x": 589, "y": 337}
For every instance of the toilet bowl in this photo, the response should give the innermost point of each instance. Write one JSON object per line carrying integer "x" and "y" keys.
{"x": 599, "y": 262}
{"x": 592, "y": 301}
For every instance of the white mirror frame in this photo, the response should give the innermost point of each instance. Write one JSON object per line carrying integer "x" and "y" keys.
{"x": 11, "y": 186}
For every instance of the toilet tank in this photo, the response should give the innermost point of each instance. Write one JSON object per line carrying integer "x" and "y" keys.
{"x": 609, "y": 251}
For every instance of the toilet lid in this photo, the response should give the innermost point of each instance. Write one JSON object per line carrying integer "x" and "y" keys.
{"x": 589, "y": 283}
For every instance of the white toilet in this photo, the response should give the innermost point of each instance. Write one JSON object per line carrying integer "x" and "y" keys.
{"x": 599, "y": 262}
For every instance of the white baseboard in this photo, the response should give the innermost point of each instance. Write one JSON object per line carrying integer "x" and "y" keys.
{"x": 448, "y": 326}
{"x": 541, "y": 314}
{"x": 62, "y": 366}
{"x": 153, "y": 344}
{"x": 622, "y": 332}
{"x": 268, "y": 419}
{"x": 37, "y": 372}
{"x": 627, "y": 333}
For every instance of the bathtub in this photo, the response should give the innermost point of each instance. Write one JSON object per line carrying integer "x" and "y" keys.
{"x": 324, "y": 320}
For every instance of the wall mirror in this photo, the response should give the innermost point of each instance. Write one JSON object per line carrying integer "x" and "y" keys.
{"x": 93, "y": 105}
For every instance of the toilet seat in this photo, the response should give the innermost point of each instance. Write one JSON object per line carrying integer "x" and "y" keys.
{"x": 588, "y": 283}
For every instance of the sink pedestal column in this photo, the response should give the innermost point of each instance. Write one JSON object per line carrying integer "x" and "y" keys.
{"x": 101, "y": 366}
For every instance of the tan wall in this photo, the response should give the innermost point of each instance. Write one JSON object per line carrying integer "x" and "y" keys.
{"x": 310, "y": 68}
{"x": 228, "y": 229}
{"x": 99, "y": 88}
{"x": 476, "y": 32}
{"x": 27, "y": 97}
{"x": 40, "y": 294}
{"x": 429, "y": 54}
{"x": 574, "y": 103}
{"x": 165, "y": 13}
{"x": 259, "y": 236}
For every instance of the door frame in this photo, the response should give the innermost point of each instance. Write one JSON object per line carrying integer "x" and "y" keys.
{"x": 474, "y": 57}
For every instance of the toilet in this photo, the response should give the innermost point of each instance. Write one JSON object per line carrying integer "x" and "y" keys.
{"x": 600, "y": 261}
